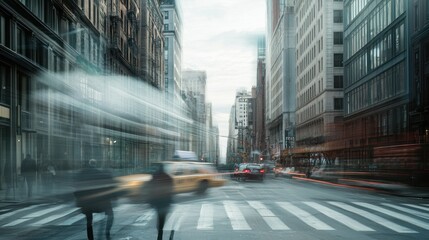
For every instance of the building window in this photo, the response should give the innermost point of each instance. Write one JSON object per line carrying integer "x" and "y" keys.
{"x": 338, "y": 60}
{"x": 338, "y": 103}
{"x": 165, "y": 27}
{"x": 338, "y": 81}
{"x": 338, "y": 38}
{"x": 165, "y": 14}
{"x": 338, "y": 16}
{"x": 4, "y": 85}
{"x": 41, "y": 54}
{"x": 22, "y": 42}
{"x": 3, "y": 30}
{"x": 24, "y": 91}
{"x": 427, "y": 10}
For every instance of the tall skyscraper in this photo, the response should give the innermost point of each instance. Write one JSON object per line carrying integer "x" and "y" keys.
{"x": 319, "y": 69}
{"x": 281, "y": 75}
{"x": 172, "y": 12}
{"x": 376, "y": 78}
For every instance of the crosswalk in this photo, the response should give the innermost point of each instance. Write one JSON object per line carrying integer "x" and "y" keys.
{"x": 403, "y": 218}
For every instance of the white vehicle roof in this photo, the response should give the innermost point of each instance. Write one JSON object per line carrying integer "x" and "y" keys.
{"x": 185, "y": 155}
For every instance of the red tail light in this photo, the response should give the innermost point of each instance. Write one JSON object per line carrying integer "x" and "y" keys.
{"x": 246, "y": 171}
{"x": 262, "y": 171}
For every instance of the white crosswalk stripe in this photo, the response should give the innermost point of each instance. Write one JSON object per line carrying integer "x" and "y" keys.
{"x": 274, "y": 222}
{"x": 54, "y": 217}
{"x": 33, "y": 215}
{"x": 408, "y": 210}
{"x": 205, "y": 222}
{"x": 239, "y": 216}
{"x": 72, "y": 220}
{"x": 238, "y": 222}
{"x": 416, "y": 206}
{"x": 176, "y": 218}
{"x": 144, "y": 219}
{"x": 395, "y": 215}
{"x": 382, "y": 221}
{"x": 6, "y": 215}
{"x": 304, "y": 216}
{"x": 351, "y": 223}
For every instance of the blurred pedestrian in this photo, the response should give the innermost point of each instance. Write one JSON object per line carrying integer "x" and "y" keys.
{"x": 49, "y": 176}
{"x": 95, "y": 191}
{"x": 161, "y": 197}
{"x": 28, "y": 171}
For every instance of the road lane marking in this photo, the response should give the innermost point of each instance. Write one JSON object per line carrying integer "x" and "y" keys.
{"x": 349, "y": 222}
{"x": 44, "y": 211}
{"x": 395, "y": 215}
{"x": 274, "y": 222}
{"x": 6, "y": 215}
{"x": 4, "y": 210}
{"x": 175, "y": 220}
{"x": 145, "y": 218}
{"x": 304, "y": 216}
{"x": 205, "y": 222}
{"x": 16, "y": 222}
{"x": 408, "y": 210}
{"x": 416, "y": 206}
{"x": 238, "y": 222}
{"x": 53, "y": 217}
{"x": 72, "y": 220}
{"x": 30, "y": 216}
{"x": 377, "y": 219}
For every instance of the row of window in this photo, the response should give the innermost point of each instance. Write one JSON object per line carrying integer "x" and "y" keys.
{"x": 4, "y": 85}
{"x": 310, "y": 130}
{"x": 317, "y": 108}
{"x": 353, "y": 8}
{"x": 387, "y": 122}
{"x": 387, "y": 85}
{"x": 32, "y": 47}
{"x": 310, "y": 94}
{"x": 380, "y": 17}
{"x": 379, "y": 52}
{"x": 22, "y": 84}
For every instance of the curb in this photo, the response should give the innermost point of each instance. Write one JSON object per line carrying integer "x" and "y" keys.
{"x": 395, "y": 189}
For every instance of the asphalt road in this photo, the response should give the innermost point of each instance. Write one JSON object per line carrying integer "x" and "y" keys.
{"x": 277, "y": 208}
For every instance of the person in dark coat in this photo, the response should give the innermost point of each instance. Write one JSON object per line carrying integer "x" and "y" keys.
{"x": 95, "y": 191}
{"x": 28, "y": 171}
{"x": 161, "y": 196}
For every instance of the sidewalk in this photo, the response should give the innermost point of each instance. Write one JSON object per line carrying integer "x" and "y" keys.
{"x": 44, "y": 190}
{"x": 58, "y": 189}
{"x": 392, "y": 188}
{"x": 397, "y": 189}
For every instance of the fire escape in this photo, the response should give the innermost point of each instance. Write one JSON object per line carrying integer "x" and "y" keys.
{"x": 123, "y": 38}
{"x": 132, "y": 41}
{"x": 152, "y": 51}
{"x": 115, "y": 26}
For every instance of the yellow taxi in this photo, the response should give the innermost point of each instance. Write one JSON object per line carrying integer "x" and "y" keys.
{"x": 187, "y": 175}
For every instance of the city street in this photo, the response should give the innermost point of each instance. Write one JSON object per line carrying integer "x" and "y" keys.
{"x": 278, "y": 208}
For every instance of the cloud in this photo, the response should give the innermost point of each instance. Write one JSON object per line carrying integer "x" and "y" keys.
{"x": 220, "y": 37}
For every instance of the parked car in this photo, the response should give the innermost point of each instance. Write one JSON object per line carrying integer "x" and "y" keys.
{"x": 286, "y": 172}
{"x": 269, "y": 167}
{"x": 248, "y": 171}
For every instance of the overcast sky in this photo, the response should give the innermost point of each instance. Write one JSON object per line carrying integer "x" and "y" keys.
{"x": 220, "y": 37}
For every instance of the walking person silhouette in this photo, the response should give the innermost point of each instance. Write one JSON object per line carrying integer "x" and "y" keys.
{"x": 161, "y": 197}
{"x": 95, "y": 191}
{"x": 28, "y": 171}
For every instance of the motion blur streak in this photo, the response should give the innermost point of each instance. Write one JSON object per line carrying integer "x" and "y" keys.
{"x": 119, "y": 99}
